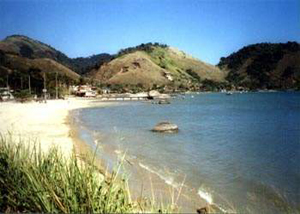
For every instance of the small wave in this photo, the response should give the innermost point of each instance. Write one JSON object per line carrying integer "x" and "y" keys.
{"x": 205, "y": 195}
{"x": 167, "y": 179}
{"x": 118, "y": 152}
{"x": 223, "y": 210}
{"x": 115, "y": 129}
{"x": 209, "y": 199}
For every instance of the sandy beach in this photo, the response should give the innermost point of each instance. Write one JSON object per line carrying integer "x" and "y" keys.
{"x": 51, "y": 124}
{"x": 45, "y": 123}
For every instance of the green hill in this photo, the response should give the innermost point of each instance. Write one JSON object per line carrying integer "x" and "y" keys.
{"x": 264, "y": 66}
{"x": 154, "y": 65}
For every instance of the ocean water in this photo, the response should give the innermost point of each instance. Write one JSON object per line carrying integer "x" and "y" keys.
{"x": 240, "y": 152}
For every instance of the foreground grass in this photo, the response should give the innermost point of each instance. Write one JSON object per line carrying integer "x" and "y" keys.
{"x": 34, "y": 182}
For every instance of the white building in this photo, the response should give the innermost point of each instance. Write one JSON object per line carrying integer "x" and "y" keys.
{"x": 5, "y": 94}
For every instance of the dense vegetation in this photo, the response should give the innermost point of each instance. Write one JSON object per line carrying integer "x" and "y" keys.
{"x": 82, "y": 65}
{"x": 265, "y": 65}
{"x": 147, "y": 47}
{"x": 32, "y": 181}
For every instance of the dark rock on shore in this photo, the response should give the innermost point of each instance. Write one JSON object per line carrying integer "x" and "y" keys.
{"x": 202, "y": 210}
{"x": 165, "y": 127}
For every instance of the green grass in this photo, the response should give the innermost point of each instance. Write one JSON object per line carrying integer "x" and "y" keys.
{"x": 32, "y": 181}
{"x": 162, "y": 58}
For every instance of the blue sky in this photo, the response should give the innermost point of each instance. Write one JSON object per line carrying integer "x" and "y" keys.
{"x": 207, "y": 29}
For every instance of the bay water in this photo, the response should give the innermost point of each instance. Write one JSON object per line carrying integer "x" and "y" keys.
{"x": 239, "y": 152}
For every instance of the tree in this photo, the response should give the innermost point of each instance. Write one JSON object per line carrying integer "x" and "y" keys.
{"x": 82, "y": 81}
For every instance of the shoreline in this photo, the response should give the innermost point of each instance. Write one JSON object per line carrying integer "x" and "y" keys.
{"x": 143, "y": 181}
{"x": 80, "y": 147}
{"x": 54, "y": 121}
{"x": 52, "y": 124}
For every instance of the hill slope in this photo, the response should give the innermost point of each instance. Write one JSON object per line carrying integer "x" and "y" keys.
{"x": 264, "y": 66}
{"x": 24, "y": 46}
{"x": 154, "y": 64}
{"x": 23, "y": 60}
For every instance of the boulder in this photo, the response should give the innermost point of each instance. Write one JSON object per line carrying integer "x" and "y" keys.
{"x": 203, "y": 210}
{"x": 153, "y": 94}
{"x": 165, "y": 127}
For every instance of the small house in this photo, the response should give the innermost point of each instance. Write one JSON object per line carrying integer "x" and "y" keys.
{"x": 5, "y": 94}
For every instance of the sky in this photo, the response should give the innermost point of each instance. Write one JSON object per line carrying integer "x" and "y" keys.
{"x": 206, "y": 29}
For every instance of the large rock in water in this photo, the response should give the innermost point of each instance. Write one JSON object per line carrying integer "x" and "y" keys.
{"x": 165, "y": 127}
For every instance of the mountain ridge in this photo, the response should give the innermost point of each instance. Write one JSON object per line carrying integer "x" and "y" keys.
{"x": 155, "y": 65}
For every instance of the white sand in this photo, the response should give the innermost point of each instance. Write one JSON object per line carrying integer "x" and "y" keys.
{"x": 45, "y": 123}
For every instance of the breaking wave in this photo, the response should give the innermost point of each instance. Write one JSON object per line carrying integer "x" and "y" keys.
{"x": 167, "y": 179}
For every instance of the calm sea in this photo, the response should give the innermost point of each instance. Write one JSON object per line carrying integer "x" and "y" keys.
{"x": 240, "y": 151}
